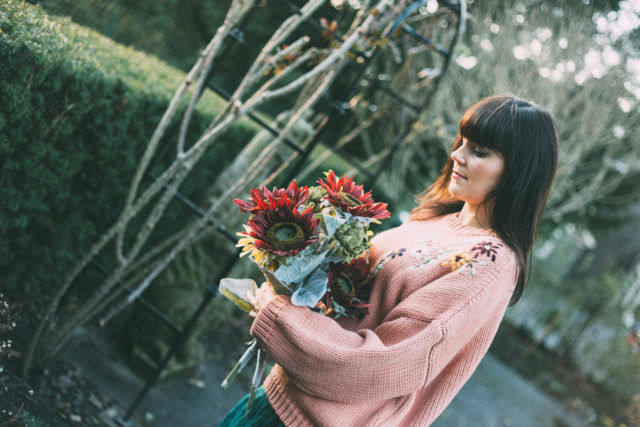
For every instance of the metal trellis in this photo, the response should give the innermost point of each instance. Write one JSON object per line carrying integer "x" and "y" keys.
{"x": 336, "y": 111}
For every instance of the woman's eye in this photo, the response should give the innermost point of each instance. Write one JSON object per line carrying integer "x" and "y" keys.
{"x": 479, "y": 153}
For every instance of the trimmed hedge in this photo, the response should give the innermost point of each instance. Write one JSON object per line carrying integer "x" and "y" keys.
{"x": 76, "y": 112}
{"x": 174, "y": 30}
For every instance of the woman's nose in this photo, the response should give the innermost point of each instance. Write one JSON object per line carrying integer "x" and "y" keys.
{"x": 458, "y": 155}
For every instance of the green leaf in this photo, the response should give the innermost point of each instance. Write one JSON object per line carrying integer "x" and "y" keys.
{"x": 236, "y": 290}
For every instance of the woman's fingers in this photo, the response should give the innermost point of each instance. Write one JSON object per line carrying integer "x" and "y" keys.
{"x": 267, "y": 291}
{"x": 260, "y": 298}
{"x": 251, "y": 298}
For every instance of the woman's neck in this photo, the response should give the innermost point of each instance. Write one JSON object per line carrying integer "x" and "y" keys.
{"x": 476, "y": 216}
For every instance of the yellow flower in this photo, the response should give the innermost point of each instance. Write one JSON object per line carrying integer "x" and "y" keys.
{"x": 456, "y": 261}
{"x": 260, "y": 257}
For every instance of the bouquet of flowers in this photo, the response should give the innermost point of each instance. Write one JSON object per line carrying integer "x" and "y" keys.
{"x": 311, "y": 244}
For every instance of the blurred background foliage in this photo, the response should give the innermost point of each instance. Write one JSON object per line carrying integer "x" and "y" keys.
{"x": 578, "y": 58}
{"x": 553, "y": 53}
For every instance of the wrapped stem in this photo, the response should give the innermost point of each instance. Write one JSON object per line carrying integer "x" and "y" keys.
{"x": 242, "y": 362}
{"x": 261, "y": 362}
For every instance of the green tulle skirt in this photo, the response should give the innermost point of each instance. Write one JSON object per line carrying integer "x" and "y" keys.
{"x": 261, "y": 414}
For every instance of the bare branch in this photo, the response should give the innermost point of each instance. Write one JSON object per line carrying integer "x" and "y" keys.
{"x": 151, "y": 148}
{"x": 272, "y": 62}
{"x": 288, "y": 70}
{"x": 323, "y": 67}
{"x": 278, "y": 37}
{"x": 237, "y": 9}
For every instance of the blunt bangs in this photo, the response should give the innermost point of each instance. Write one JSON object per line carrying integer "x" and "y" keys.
{"x": 492, "y": 123}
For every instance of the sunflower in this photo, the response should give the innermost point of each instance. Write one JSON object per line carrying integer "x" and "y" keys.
{"x": 265, "y": 200}
{"x": 349, "y": 197}
{"x": 282, "y": 232}
{"x": 349, "y": 286}
{"x": 260, "y": 257}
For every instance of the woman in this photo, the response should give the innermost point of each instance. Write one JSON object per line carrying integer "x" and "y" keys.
{"x": 442, "y": 282}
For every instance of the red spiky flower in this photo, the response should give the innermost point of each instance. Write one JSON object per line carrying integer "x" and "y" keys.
{"x": 283, "y": 232}
{"x": 265, "y": 200}
{"x": 349, "y": 197}
{"x": 349, "y": 286}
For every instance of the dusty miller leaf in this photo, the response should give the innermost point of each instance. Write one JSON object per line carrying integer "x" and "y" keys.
{"x": 311, "y": 290}
{"x": 299, "y": 267}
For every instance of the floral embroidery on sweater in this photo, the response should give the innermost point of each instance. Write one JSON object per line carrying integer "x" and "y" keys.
{"x": 490, "y": 249}
{"x": 399, "y": 252}
{"x": 455, "y": 259}
{"x": 460, "y": 260}
{"x": 392, "y": 255}
{"x": 416, "y": 253}
{"x": 427, "y": 253}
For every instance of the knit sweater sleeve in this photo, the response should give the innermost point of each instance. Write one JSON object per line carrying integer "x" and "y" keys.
{"x": 402, "y": 354}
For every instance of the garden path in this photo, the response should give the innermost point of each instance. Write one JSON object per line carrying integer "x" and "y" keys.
{"x": 495, "y": 396}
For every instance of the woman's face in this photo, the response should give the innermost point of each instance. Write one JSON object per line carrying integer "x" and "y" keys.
{"x": 476, "y": 172}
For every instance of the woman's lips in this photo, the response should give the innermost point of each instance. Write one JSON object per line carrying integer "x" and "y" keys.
{"x": 458, "y": 175}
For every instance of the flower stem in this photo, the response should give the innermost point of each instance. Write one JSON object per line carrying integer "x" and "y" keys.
{"x": 257, "y": 378}
{"x": 242, "y": 362}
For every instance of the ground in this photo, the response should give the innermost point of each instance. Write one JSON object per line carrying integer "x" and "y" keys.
{"x": 93, "y": 386}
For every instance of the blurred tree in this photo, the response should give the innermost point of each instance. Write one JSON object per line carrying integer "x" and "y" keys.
{"x": 576, "y": 59}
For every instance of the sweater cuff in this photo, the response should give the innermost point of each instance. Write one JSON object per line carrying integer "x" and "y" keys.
{"x": 265, "y": 321}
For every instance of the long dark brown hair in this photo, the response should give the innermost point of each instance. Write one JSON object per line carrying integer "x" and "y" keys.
{"x": 526, "y": 135}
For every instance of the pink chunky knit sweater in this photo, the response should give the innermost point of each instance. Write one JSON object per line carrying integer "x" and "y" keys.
{"x": 439, "y": 294}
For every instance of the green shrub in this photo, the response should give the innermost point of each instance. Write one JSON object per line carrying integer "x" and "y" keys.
{"x": 171, "y": 29}
{"x": 174, "y": 30}
{"x": 76, "y": 113}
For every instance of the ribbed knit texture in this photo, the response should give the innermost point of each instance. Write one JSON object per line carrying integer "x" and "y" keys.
{"x": 440, "y": 291}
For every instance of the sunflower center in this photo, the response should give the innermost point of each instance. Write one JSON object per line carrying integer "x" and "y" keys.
{"x": 283, "y": 236}
{"x": 349, "y": 199}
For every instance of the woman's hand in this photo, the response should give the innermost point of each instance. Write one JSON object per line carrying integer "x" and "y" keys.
{"x": 260, "y": 298}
